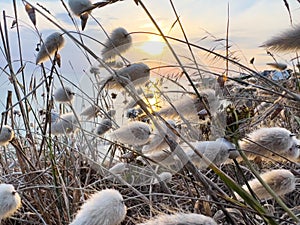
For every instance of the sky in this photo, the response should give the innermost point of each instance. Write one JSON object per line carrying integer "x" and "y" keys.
{"x": 251, "y": 22}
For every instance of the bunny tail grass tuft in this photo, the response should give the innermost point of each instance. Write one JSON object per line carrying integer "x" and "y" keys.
{"x": 105, "y": 207}
{"x": 6, "y": 135}
{"x": 180, "y": 219}
{"x": 10, "y": 201}
{"x": 286, "y": 41}
{"x": 53, "y": 43}
{"x": 118, "y": 42}
{"x": 282, "y": 181}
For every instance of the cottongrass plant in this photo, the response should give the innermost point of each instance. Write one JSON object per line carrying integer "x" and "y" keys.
{"x": 118, "y": 42}
{"x": 104, "y": 126}
{"x": 181, "y": 218}
{"x": 55, "y": 173}
{"x": 269, "y": 140}
{"x": 165, "y": 158}
{"x": 6, "y": 135}
{"x": 137, "y": 73}
{"x": 90, "y": 112}
{"x": 10, "y": 201}
{"x": 65, "y": 124}
{"x": 79, "y": 6}
{"x": 82, "y": 8}
{"x": 157, "y": 139}
{"x": 104, "y": 207}
{"x": 52, "y": 44}
{"x": 189, "y": 105}
{"x": 217, "y": 151}
{"x": 281, "y": 181}
{"x": 133, "y": 133}
{"x": 286, "y": 41}
{"x": 294, "y": 151}
{"x": 64, "y": 95}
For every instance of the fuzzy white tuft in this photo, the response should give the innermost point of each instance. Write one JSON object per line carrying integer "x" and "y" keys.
{"x": 65, "y": 124}
{"x": 103, "y": 127}
{"x": 163, "y": 157}
{"x": 276, "y": 139}
{"x": 190, "y": 105}
{"x": 137, "y": 73}
{"x": 134, "y": 133}
{"x": 118, "y": 42}
{"x": 79, "y": 6}
{"x": 157, "y": 141}
{"x": 64, "y": 94}
{"x": 181, "y": 218}
{"x": 280, "y": 180}
{"x": 294, "y": 150}
{"x": 90, "y": 112}
{"x": 216, "y": 151}
{"x": 10, "y": 201}
{"x": 6, "y": 135}
{"x": 287, "y": 41}
{"x": 53, "y": 43}
{"x": 105, "y": 207}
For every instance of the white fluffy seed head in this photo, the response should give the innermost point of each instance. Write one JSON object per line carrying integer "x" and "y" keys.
{"x": 190, "y": 105}
{"x": 65, "y": 124}
{"x": 276, "y": 139}
{"x": 10, "y": 201}
{"x": 282, "y": 181}
{"x": 6, "y": 135}
{"x": 134, "y": 133}
{"x": 181, "y": 218}
{"x": 286, "y": 41}
{"x": 216, "y": 151}
{"x": 294, "y": 151}
{"x": 163, "y": 157}
{"x": 103, "y": 127}
{"x": 64, "y": 94}
{"x": 53, "y": 43}
{"x": 105, "y": 207}
{"x": 79, "y": 6}
{"x": 119, "y": 42}
{"x": 184, "y": 106}
{"x": 137, "y": 73}
{"x": 90, "y": 112}
{"x": 157, "y": 141}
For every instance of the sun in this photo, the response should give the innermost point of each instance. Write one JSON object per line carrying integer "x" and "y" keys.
{"x": 154, "y": 45}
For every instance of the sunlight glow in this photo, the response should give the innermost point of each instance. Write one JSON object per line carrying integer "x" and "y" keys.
{"x": 153, "y": 102}
{"x": 154, "y": 46}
